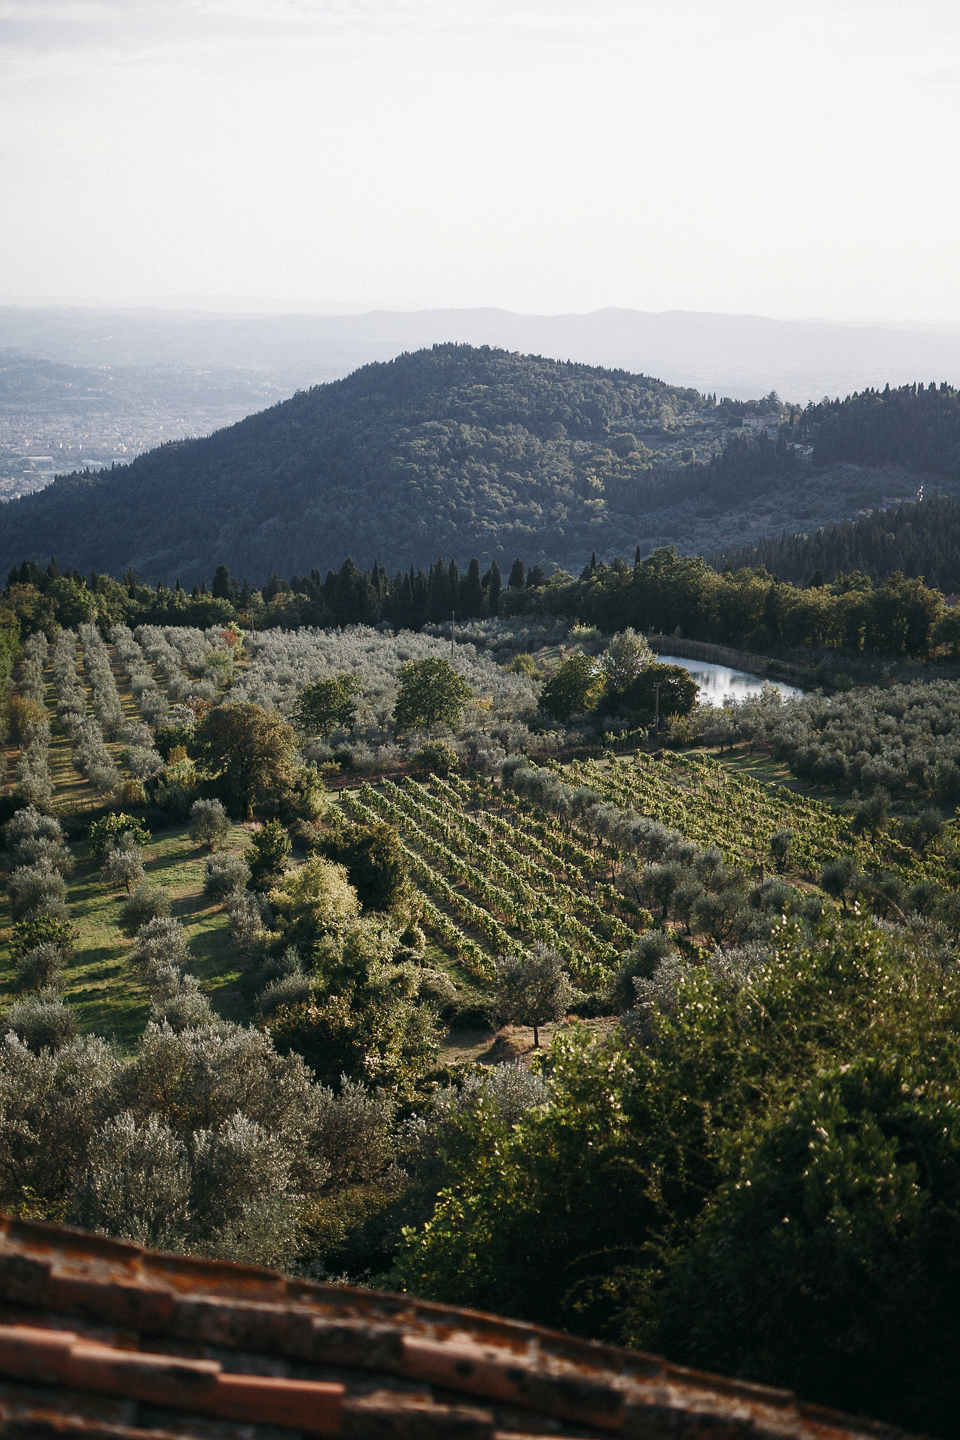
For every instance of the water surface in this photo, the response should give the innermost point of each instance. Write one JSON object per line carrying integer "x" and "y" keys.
{"x": 719, "y": 681}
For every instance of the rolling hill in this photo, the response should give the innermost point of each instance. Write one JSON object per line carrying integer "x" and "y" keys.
{"x": 454, "y": 449}
{"x": 477, "y": 452}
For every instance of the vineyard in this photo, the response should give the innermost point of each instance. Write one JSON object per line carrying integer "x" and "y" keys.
{"x": 565, "y": 855}
{"x": 498, "y": 878}
{"x": 713, "y": 805}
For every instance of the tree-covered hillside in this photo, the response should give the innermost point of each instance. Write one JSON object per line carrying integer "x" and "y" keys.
{"x": 456, "y": 449}
{"x": 915, "y": 426}
{"x": 918, "y": 539}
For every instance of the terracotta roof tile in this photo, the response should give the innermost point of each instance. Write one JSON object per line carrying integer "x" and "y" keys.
{"x": 117, "y": 1343}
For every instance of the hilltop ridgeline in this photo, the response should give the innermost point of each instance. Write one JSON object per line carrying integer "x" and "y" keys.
{"x": 479, "y": 452}
{"x": 468, "y": 451}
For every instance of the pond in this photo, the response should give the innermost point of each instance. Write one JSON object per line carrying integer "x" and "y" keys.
{"x": 718, "y": 681}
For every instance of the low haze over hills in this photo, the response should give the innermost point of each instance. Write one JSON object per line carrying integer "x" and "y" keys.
{"x": 738, "y": 355}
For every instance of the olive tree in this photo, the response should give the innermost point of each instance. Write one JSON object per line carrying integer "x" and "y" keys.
{"x": 209, "y": 823}
{"x": 530, "y": 989}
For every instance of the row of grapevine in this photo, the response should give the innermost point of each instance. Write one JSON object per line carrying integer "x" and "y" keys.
{"x": 549, "y": 879}
{"x": 490, "y": 875}
{"x": 435, "y": 922}
{"x": 737, "y": 813}
{"x": 487, "y": 892}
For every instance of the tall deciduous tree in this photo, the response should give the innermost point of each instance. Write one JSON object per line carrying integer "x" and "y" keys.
{"x": 323, "y": 706}
{"x": 250, "y": 749}
{"x": 570, "y": 690}
{"x": 431, "y": 693}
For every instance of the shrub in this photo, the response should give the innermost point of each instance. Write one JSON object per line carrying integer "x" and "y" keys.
{"x": 314, "y": 900}
{"x": 225, "y": 874}
{"x": 640, "y": 962}
{"x": 209, "y": 823}
{"x": 32, "y": 887}
{"x": 123, "y": 867}
{"x": 437, "y": 757}
{"x": 105, "y": 833}
{"x": 780, "y": 842}
{"x": 148, "y": 902}
{"x": 28, "y": 825}
{"x": 138, "y": 1183}
{"x": 42, "y": 1021}
{"x": 267, "y": 854}
{"x": 292, "y": 989}
{"x": 50, "y": 853}
{"x": 24, "y": 717}
{"x": 250, "y": 918}
{"x": 39, "y": 928}
{"x": 186, "y": 1009}
{"x": 39, "y": 968}
{"x": 159, "y": 942}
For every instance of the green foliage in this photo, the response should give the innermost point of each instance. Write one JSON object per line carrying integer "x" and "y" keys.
{"x": 267, "y": 854}
{"x": 40, "y": 930}
{"x": 250, "y": 750}
{"x": 327, "y": 704}
{"x": 639, "y": 963}
{"x": 530, "y": 989}
{"x": 40, "y": 968}
{"x": 676, "y": 687}
{"x": 370, "y": 1022}
{"x": 437, "y": 757}
{"x": 123, "y": 867}
{"x": 871, "y": 813}
{"x": 377, "y": 865}
{"x": 571, "y": 690}
{"x": 431, "y": 692}
{"x": 780, "y": 842}
{"x": 836, "y": 1249}
{"x": 311, "y": 901}
{"x": 761, "y": 1175}
{"x": 105, "y": 832}
{"x": 34, "y": 887}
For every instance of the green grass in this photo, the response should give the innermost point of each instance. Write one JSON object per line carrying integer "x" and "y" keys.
{"x": 99, "y": 982}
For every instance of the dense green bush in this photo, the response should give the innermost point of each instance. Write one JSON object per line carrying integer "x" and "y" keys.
{"x": 224, "y": 874}
{"x": 147, "y": 902}
{"x": 760, "y": 1174}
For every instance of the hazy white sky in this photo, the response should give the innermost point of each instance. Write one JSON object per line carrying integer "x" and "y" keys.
{"x": 784, "y": 157}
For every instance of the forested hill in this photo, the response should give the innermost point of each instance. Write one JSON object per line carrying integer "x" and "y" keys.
{"x": 455, "y": 449}
{"x": 914, "y": 426}
{"x": 919, "y": 540}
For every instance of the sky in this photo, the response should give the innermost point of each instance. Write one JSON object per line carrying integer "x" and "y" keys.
{"x": 792, "y": 158}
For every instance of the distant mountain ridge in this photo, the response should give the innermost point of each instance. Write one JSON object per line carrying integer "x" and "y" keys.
{"x": 743, "y": 356}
